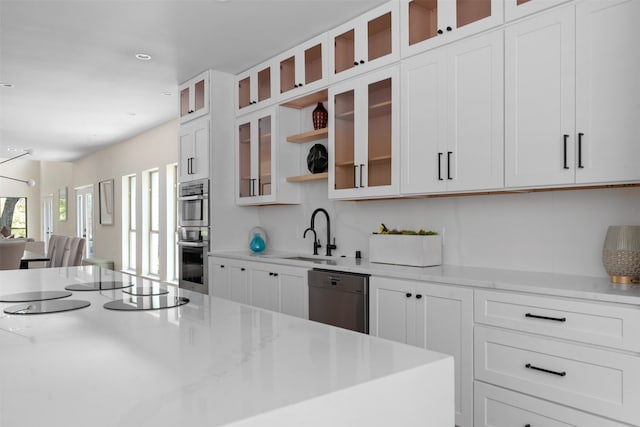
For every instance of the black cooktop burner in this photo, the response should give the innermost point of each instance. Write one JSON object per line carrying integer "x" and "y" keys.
{"x": 146, "y": 291}
{"x": 43, "y": 307}
{"x": 104, "y": 285}
{"x": 135, "y": 303}
{"x": 35, "y": 296}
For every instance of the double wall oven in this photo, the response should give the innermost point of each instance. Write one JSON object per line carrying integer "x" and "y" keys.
{"x": 193, "y": 234}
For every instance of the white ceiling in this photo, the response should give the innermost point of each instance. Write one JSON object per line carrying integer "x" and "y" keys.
{"x": 78, "y": 86}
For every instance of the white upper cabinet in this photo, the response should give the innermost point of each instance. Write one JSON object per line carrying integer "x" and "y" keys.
{"x": 426, "y": 24}
{"x": 369, "y": 41}
{"x": 607, "y": 91}
{"x": 514, "y": 9}
{"x": 540, "y": 100}
{"x": 194, "y": 97}
{"x": 257, "y": 87}
{"x": 572, "y": 93}
{"x": 452, "y": 120}
{"x": 364, "y": 136}
{"x": 303, "y": 68}
{"x": 193, "y": 150}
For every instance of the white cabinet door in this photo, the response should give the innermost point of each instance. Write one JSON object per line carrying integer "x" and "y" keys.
{"x": 540, "y": 100}
{"x": 238, "y": 284}
{"x": 194, "y": 97}
{"x": 193, "y": 156}
{"x": 426, "y": 24}
{"x": 228, "y": 279}
{"x": 391, "y": 308}
{"x": 369, "y": 41}
{"x": 218, "y": 278}
{"x": 294, "y": 292}
{"x": 303, "y": 68}
{"x": 265, "y": 288}
{"x": 444, "y": 323}
{"x": 257, "y": 87}
{"x": 453, "y": 118}
{"x": 607, "y": 91}
{"x": 514, "y": 9}
{"x": 364, "y": 136}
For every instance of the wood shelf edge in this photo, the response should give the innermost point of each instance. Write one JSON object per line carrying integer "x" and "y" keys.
{"x": 313, "y": 135}
{"x": 309, "y": 177}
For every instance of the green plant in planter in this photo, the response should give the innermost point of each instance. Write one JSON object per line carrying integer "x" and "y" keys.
{"x": 421, "y": 232}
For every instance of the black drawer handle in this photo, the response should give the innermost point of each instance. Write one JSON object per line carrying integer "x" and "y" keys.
{"x": 555, "y": 319}
{"x": 565, "y": 138}
{"x": 408, "y": 295}
{"x": 548, "y": 371}
{"x": 242, "y": 269}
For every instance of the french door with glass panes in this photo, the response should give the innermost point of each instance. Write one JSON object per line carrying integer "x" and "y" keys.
{"x": 84, "y": 217}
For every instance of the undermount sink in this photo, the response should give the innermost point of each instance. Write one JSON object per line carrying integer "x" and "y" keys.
{"x": 311, "y": 259}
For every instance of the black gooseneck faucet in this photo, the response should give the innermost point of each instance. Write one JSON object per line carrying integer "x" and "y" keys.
{"x": 316, "y": 243}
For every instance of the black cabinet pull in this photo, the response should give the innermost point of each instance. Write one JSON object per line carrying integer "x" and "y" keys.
{"x": 548, "y": 371}
{"x": 191, "y": 111}
{"x": 222, "y": 266}
{"x": 449, "y": 153}
{"x": 408, "y": 295}
{"x": 355, "y": 63}
{"x": 418, "y": 296}
{"x": 556, "y": 319}
{"x": 299, "y": 84}
{"x": 253, "y": 187}
{"x": 439, "y": 168}
{"x": 580, "y": 165}
{"x": 361, "y": 61}
{"x": 361, "y": 167}
{"x": 448, "y": 28}
{"x": 242, "y": 268}
{"x": 565, "y": 137}
{"x": 270, "y": 274}
{"x": 440, "y": 31}
{"x": 275, "y": 274}
{"x": 527, "y": 425}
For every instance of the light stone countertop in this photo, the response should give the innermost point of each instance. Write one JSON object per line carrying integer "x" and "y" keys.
{"x": 584, "y": 287}
{"x": 210, "y": 362}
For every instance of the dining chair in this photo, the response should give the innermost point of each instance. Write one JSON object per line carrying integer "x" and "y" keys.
{"x": 76, "y": 250}
{"x": 11, "y": 253}
{"x": 58, "y": 250}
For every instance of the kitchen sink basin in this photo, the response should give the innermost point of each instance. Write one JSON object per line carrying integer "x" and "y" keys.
{"x": 311, "y": 259}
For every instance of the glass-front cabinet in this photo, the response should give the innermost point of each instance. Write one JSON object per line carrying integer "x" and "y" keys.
{"x": 257, "y": 161}
{"x": 194, "y": 97}
{"x": 364, "y": 137}
{"x": 369, "y": 41}
{"x": 429, "y": 23}
{"x": 304, "y": 68}
{"x": 514, "y": 9}
{"x": 256, "y": 87}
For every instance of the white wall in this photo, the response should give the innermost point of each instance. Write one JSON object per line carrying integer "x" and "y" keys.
{"x": 560, "y": 231}
{"x": 23, "y": 169}
{"x": 155, "y": 148}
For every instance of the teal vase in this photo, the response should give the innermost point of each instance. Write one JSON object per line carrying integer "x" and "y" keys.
{"x": 257, "y": 243}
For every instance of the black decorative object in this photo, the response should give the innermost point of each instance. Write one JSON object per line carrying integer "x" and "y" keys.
{"x": 317, "y": 159}
{"x": 320, "y": 117}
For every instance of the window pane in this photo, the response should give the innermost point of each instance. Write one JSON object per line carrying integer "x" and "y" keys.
{"x": 132, "y": 250}
{"x": 154, "y": 253}
{"x": 154, "y": 204}
{"x": 132, "y": 203}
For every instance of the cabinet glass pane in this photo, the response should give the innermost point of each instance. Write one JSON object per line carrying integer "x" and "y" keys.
{"x": 264, "y": 84}
{"x": 199, "y": 95}
{"x": 287, "y": 74}
{"x": 379, "y": 36}
{"x": 313, "y": 64}
{"x": 264, "y": 156}
{"x": 244, "y": 92}
{"x": 184, "y": 102}
{"x": 344, "y": 51}
{"x": 423, "y": 20}
{"x": 379, "y": 143}
{"x": 469, "y": 11}
{"x": 344, "y": 171}
{"x": 244, "y": 158}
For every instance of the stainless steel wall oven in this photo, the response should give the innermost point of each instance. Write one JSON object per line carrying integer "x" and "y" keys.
{"x": 193, "y": 235}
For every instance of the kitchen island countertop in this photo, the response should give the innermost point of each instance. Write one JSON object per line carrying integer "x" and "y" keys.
{"x": 210, "y": 362}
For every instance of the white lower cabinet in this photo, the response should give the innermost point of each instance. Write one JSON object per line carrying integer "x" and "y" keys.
{"x": 497, "y": 407}
{"x": 431, "y": 316}
{"x": 229, "y": 279}
{"x": 272, "y": 287}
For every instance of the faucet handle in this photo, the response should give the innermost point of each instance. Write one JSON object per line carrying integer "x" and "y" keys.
{"x": 331, "y": 246}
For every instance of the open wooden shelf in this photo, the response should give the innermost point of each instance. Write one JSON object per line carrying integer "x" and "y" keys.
{"x": 313, "y": 135}
{"x": 308, "y": 100}
{"x": 309, "y": 177}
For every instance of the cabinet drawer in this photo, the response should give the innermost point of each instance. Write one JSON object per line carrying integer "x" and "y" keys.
{"x": 497, "y": 407}
{"x": 609, "y": 325}
{"x": 595, "y": 380}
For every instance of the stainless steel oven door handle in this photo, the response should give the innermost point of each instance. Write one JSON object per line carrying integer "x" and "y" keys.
{"x": 188, "y": 198}
{"x": 192, "y": 244}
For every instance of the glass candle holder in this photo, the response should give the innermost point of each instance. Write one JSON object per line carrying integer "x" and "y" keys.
{"x": 621, "y": 254}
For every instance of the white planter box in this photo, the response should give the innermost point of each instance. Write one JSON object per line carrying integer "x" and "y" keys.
{"x": 419, "y": 251}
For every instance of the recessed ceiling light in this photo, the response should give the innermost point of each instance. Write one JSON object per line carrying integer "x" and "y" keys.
{"x": 7, "y": 85}
{"x": 143, "y": 56}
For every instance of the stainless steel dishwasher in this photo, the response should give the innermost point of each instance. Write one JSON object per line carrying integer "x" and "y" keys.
{"x": 339, "y": 299}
